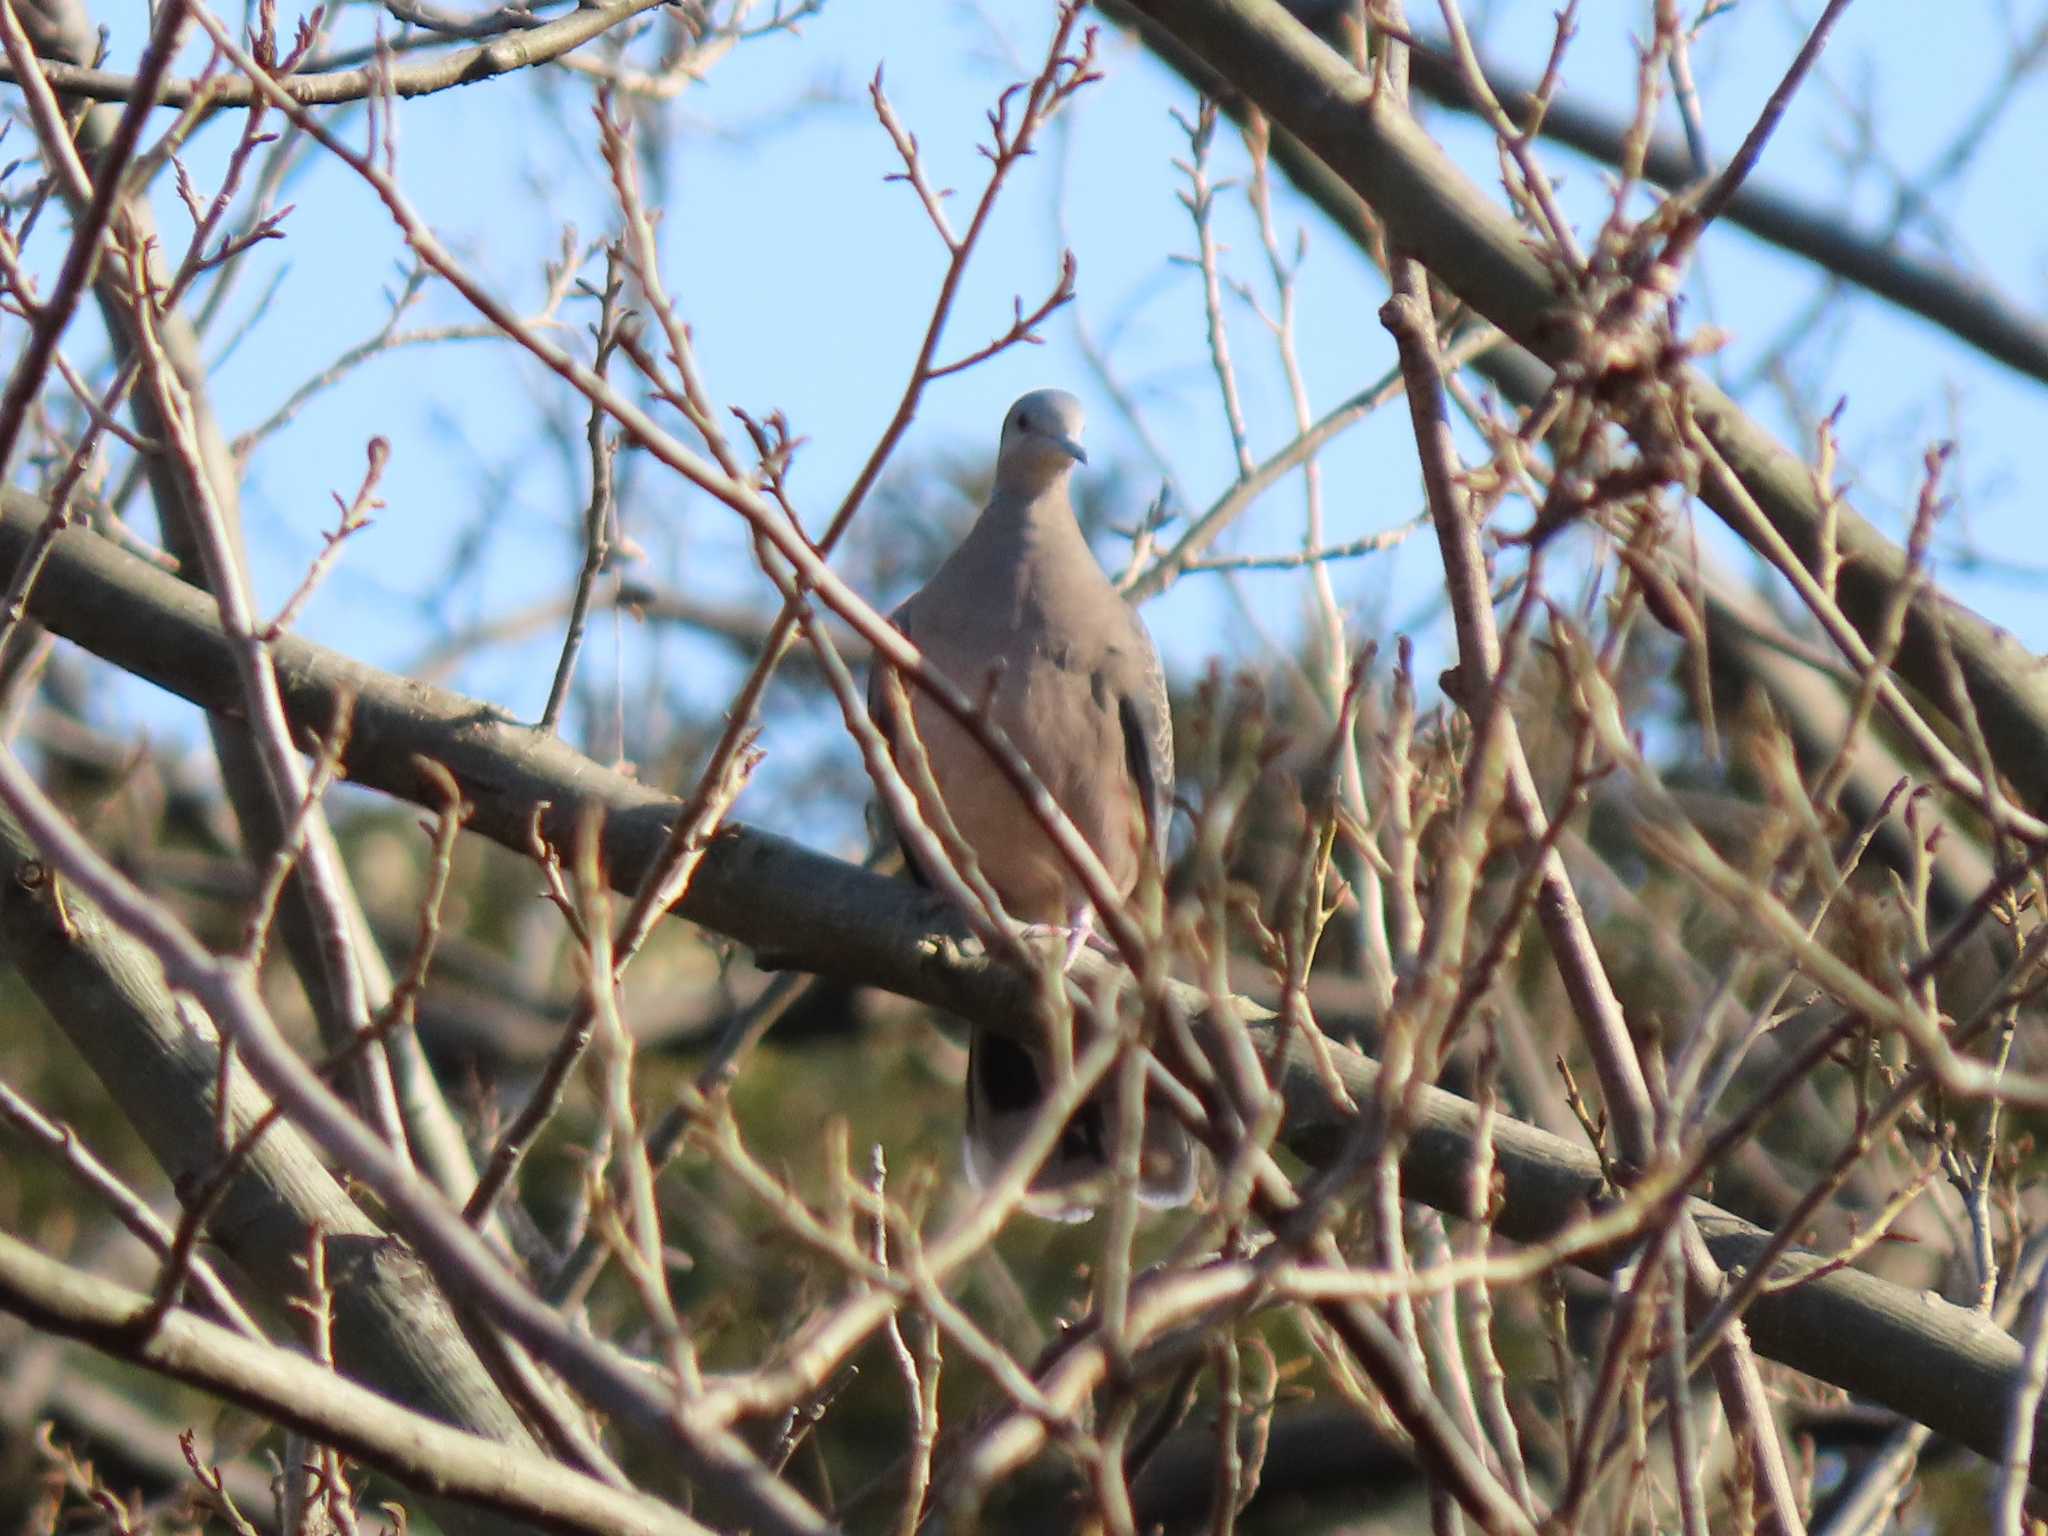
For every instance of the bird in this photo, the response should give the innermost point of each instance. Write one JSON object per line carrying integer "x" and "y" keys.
{"x": 1024, "y": 619}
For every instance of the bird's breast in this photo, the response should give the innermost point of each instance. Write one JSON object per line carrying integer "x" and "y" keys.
{"x": 1064, "y": 723}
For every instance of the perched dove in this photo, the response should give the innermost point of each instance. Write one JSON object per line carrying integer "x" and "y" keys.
{"x": 1022, "y": 616}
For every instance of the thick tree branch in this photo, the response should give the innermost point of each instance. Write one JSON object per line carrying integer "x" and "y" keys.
{"x": 1432, "y": 210}
{"x": 393, "y": 1328}
{"x": 1940, "y": 1364}
{"x": 1958, "y": 303}
{"x": 1964, "y": 306}
{"x": 417, "y": 1450}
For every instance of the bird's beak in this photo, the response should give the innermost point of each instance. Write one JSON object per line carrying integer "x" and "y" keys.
{"x": 1068, "y": 446}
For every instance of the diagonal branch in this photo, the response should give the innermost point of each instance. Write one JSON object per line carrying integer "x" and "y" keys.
{"x": 295, "y": 1391}
{"x": 1432, "y": 210}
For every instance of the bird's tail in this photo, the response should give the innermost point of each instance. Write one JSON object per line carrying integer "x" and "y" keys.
{"x": 1005, "y": 1088}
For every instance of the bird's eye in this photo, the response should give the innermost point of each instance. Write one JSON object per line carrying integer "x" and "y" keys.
{"x": 1023, "y": 422}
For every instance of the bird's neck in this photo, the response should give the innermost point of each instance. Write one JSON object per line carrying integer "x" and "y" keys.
{"x": 1035, "y": 521}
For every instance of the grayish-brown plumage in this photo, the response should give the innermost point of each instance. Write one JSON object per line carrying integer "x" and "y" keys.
{"x": 1021, "y": 615}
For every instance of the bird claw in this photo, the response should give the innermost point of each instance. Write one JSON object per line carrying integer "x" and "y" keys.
{"x": 946, "y": 951}
{"x": 1079, "y": 935}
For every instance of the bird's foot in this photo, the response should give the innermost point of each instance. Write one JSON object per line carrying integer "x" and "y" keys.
{"x": 1079, "y": 934}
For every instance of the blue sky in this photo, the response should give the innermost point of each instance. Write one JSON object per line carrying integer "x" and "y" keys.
{"x": 806, "y": 279}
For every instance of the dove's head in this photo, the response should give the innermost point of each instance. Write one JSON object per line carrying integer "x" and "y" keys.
{"x": 1041, "y": 442}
